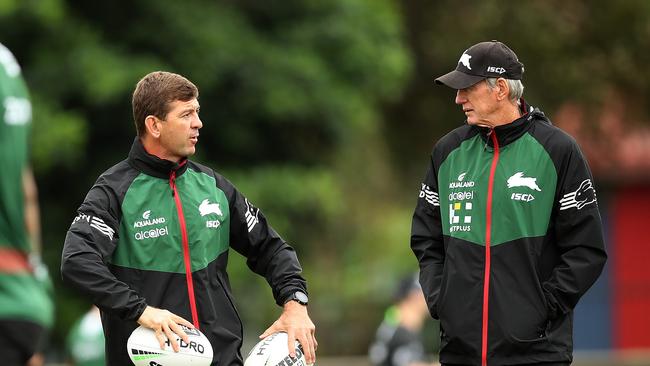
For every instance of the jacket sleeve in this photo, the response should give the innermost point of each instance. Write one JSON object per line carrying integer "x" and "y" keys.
{"x": 426, "y": 239}
{"x": 90, "y": 241}
{"x": 578, "y": 234}
{"x": 266, "y": 252}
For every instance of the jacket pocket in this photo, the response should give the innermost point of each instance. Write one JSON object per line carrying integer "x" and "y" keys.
{"x": 431, "y": 290}
{"x": 440, "y": 302}
{"x": 539, "y": 334}
{"x": 519, "y": 322}
{"x": 226, "y": 328}
{"x": 225, "y": 288}
{"x": 223, "y": 302}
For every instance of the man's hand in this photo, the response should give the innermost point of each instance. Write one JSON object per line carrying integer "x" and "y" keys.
{"x": 163, "y": 321}
{"x": 295, "y": 321}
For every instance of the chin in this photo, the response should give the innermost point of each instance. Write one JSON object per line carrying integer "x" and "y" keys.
{"x": 189, "y": 151}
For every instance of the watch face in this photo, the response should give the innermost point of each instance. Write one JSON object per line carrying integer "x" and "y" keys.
{"x": 301, "y": 297}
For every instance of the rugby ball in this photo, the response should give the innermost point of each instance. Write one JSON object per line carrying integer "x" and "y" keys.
{"x": 144, "y": 349}
{"x": 273, "y": 351}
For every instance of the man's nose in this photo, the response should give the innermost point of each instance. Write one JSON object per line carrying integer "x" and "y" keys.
{"x": 460, "y": 97}
{"x": 197, "y": 123}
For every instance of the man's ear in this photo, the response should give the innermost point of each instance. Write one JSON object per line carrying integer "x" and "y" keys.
{"x": 152, "y": 124}
{"x": 503, "y": 89}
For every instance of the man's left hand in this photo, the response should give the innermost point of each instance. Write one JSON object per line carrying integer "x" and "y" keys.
{"x": 296, "y": 323}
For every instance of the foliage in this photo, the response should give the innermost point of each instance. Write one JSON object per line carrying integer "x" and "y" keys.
{"x": 322, "y": 112}
{"x": 287, "y": 91}
{"x": 573, "y": 51}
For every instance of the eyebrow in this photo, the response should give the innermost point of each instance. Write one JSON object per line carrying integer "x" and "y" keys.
{"x": 190, "y": 109}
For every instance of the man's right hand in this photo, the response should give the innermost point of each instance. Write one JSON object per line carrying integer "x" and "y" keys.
{"x": 164, "y": 321}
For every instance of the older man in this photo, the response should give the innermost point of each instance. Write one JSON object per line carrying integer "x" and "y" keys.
{"x": 506, "y": 229}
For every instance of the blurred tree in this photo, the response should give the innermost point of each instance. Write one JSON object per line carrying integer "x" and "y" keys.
{"x": 573, "y": 51}
{"x": 290, "y": 93}
{"x": 584, "y": 61}
{"x": 322, "y": 112}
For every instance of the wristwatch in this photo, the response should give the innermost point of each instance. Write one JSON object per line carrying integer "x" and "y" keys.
{"x": 299, "y": 297}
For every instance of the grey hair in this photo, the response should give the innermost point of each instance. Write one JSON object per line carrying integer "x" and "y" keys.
{"x": 516, "y": 88}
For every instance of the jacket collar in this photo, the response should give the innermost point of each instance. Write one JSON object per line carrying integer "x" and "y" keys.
{"x": 512, "y": 131}
{"x": 152, "y": 165}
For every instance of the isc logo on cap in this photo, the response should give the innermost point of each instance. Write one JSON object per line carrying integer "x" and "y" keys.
{"x": 496, "y": 70}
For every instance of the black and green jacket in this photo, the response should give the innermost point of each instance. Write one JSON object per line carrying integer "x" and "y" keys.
{"x": 153, "y": 232}
{"x": 508, "y": 236}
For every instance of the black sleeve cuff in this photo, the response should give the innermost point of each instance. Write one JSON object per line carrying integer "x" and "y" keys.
{"x": 137, "y": 312}
{"x": 287, "y": 292}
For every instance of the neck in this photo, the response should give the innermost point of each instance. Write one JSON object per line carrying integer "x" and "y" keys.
{"x": 152, "y": 147}
{"x": 507, "y": 115}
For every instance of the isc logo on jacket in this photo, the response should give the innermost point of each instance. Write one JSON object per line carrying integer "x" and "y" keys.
{"x": 207, "y": 208}
{"x": 519, "y": 180}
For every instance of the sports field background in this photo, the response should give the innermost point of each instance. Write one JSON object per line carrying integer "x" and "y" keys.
{"x": 323, "y": 113}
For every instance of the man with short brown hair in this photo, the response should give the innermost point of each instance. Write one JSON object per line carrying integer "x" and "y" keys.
{"x": 150, "y": 242}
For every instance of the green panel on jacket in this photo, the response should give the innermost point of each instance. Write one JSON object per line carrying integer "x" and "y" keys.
{"x": 524, "y": 188}
{"x": 150, "y": 233}
{"x": 524, "y": 191}
{"x": 462, "y": 182}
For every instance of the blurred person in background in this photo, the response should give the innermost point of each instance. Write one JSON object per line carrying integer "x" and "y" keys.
{"x": 150, "y": 242}
{"x": 85, "y": 342}
{"x": 26, "y": 309}
{"x": 398, "y": 341}
{"x": 506, "y": 228}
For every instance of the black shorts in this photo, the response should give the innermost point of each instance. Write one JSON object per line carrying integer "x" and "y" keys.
{"x": 19, "y": 341}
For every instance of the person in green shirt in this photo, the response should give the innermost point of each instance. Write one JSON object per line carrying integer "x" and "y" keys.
{"x": 85, "y": 342}
{"x": 398, "y": 340}
{"x": 25, "y": 306}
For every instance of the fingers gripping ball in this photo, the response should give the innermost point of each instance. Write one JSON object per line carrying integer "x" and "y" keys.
{"x": 144, "y": 349}
{"x": 273, "y": 351}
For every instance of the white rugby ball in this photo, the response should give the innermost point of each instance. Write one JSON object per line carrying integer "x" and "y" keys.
{"x": 273, "y": 351}
{"x": 144, "y": 349}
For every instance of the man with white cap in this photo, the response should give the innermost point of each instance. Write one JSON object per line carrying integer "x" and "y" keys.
{"x": 506, "y": 229}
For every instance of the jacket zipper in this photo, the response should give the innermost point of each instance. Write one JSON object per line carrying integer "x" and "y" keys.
{"x": 488, "y": 229}
{"x": 186, "y": 248}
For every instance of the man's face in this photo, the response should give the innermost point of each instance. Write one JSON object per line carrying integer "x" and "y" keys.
{"x": 179, "y": 132}
{"x": 479, "y": 103}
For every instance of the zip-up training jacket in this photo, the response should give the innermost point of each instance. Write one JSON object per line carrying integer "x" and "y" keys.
{"x": 508, "y": 236}
{"x": 153, "y": 232}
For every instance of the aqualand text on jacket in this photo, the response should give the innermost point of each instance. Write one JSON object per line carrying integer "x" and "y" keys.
{"x": 153, "y": 232}
{"x": 508, "y": 236}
